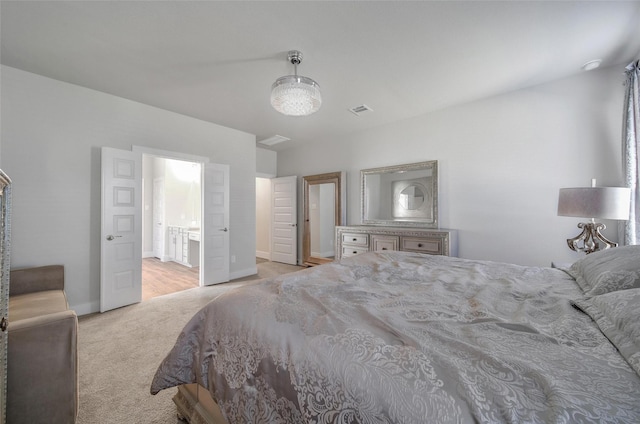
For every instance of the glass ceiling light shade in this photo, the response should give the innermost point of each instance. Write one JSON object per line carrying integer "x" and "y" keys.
{"x": 295, "y": 95}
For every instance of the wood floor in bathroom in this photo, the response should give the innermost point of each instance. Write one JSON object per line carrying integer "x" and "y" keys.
{"x": 159, "y": 278}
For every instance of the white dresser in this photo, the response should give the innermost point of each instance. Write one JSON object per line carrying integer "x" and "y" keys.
{"x": 354, "y": 239}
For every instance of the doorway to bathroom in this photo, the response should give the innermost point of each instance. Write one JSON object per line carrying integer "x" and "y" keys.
{"x": 171, "y": 225}
{"x": 123, "y": 207}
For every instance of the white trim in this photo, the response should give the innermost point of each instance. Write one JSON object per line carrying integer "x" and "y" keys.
{"x": 147, "y": 254}
{"x": 264, "y": 175}
{"x": 167, "y": 154}
{"x": 86, "y": 308}
{"x": 243, "y": 273}
{"x": 263, "y": 255}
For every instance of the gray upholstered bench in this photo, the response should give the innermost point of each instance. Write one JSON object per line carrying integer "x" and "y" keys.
{"x": 42, "y": 363}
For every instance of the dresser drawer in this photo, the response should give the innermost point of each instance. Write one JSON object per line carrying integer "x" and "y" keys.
{"x": 432, "y": 246}
{"x": 353, "y": 250}
{"x": 380, "y": 243}
{"x": 355, "y": 239}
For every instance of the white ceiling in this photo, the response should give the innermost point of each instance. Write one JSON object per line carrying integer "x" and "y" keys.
{"x": 217, "y": 60}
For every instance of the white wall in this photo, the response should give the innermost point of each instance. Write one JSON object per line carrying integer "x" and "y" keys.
{"x": 266, "y": 163}
{"x": 501, "y": 162}
{"x": 182, "y": 193}
{"x": 147, "y": 208}
{"x": 52, "y": 133}
{"x": 266, "y": 168}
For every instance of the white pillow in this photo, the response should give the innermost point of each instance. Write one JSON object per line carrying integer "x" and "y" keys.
{"x": 608, "y": 270}
{"x": 618, "y": 316}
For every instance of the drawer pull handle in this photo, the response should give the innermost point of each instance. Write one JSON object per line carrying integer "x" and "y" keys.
{"x": 419, "y": 244}
{"x": 355, "y": 239}
{"x": 354, "y": 252}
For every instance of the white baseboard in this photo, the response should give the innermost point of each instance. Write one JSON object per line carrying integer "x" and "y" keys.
{"x": 86, "y": 308}
{"x": 243, "y": 273}
{"x": 152, "y": 255}
{"x": 263, "y": 255}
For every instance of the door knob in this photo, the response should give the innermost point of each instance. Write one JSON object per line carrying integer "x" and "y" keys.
{"x": 110, "y": 237}
{"x": 225, "y": 229}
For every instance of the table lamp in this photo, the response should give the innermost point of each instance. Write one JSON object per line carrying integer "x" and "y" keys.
{"x": 593, "y": 202}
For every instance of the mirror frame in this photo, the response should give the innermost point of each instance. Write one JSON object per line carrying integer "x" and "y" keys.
{"x": 413, "y": 221}
{"x": 5, "y": 271}
{"x": 339, "y": 179}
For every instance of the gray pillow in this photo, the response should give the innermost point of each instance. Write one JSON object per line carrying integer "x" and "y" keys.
{"x": 608, "y": 270}
{"x": 618, "y": 316}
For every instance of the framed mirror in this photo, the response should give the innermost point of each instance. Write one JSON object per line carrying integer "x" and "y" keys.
{"x": 402, "y": 195}
{"x": 324, "y": 208}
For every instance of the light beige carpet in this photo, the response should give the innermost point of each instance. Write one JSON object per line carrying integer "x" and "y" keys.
{"x": 120, "y": 350}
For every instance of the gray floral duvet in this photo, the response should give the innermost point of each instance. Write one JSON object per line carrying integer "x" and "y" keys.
{"x": 400, "y": 337}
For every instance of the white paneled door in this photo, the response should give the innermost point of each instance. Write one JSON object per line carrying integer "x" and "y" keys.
{"x": 121, "y": 233}
{"x": 284, "y": 220}
{"x": 215, "y": 228}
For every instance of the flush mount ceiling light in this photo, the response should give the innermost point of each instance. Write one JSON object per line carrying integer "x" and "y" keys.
{"x": 295, "y": 95}
{"x": 591, "y": 65}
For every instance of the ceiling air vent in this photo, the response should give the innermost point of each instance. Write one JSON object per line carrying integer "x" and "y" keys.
{"x": 359, "y": 110}
{"x": 273, "y": 140}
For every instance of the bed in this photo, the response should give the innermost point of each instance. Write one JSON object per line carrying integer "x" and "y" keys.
{"x": 401, "y": 337}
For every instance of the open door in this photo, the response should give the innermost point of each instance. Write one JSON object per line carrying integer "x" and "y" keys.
{"x": 158, "y": 213}
{"x": 284, "y": 220}
{"x": 215, "y": 229}
{"x": 121, "y": 233}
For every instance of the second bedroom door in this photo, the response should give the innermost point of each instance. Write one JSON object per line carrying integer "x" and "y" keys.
{"x": 284, "y": 220}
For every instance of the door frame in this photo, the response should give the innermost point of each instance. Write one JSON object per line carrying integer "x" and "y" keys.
{"x": 168, "y": 154}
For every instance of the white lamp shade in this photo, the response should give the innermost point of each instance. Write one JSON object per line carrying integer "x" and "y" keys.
{"x": 595, "y": 202}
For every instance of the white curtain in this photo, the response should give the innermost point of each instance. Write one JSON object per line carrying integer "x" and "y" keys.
{"x": 630, "y": 230}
